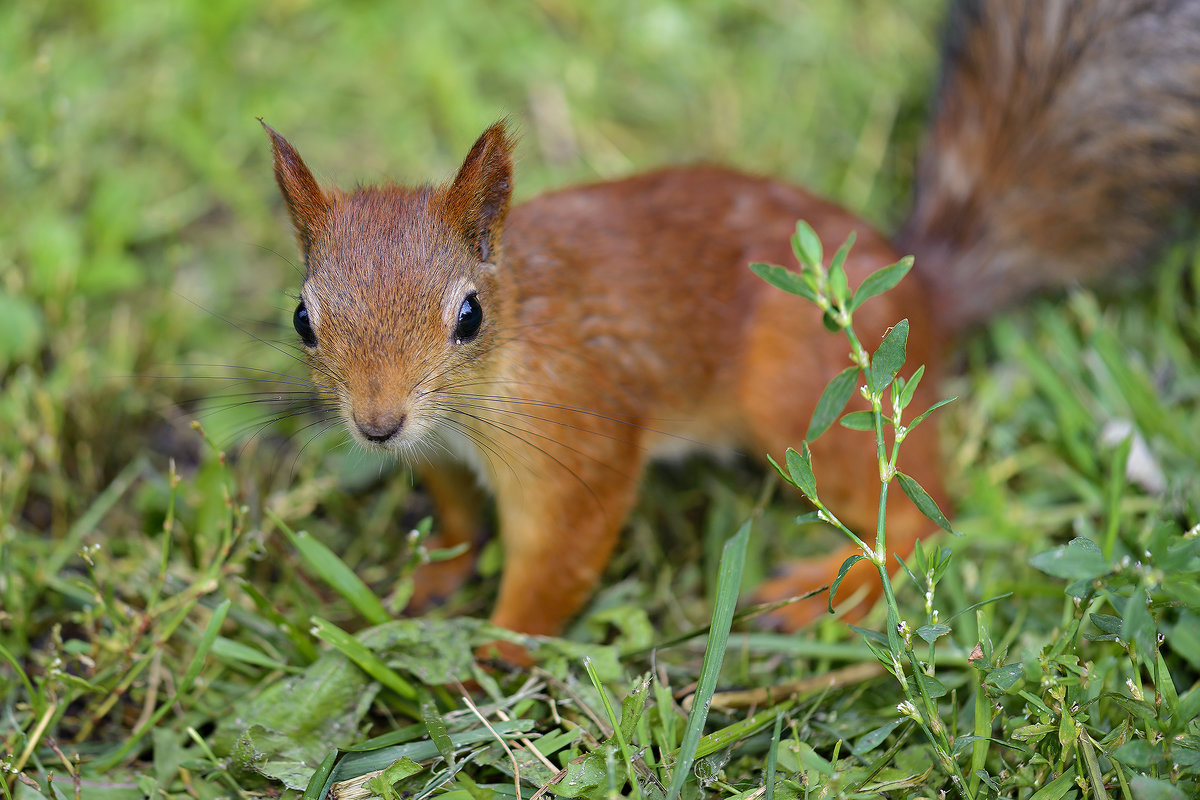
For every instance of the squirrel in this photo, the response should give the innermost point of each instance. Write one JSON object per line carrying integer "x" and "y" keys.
{"x": 548, "y": 351}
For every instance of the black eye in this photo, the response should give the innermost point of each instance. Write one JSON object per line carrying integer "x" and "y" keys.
{"x": 470, "y": 317}
{"x": 303, "y": 326}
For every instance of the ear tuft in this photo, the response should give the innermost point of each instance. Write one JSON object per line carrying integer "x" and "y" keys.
{"x": 308, "y": 206}
{"x": 477, "y": 201}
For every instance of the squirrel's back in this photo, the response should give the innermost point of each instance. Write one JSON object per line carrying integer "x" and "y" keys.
{"x": 1065, "y": 138}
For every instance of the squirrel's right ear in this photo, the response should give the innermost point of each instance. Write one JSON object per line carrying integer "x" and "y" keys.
{"x": 477, "y": 202}
{"x": 306, "y": 203}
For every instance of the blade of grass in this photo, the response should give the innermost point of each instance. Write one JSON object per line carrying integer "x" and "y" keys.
{"x": 618, "y": 733}
{"x": 729, "y": 579}
{"x": 369, "y": 662}
{"x": 334, "y": 572}
{"x": 772, "y": 757}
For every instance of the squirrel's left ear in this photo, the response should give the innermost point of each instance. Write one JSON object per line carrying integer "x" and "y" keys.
{"x": 306, "y": 203}
{"x": 477, "y": 202}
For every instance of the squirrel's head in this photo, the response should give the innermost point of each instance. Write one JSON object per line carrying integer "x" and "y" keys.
{"x": 401, "y": 306}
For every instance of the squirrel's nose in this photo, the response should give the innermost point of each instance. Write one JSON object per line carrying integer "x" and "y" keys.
{"x": 379, "y": 428}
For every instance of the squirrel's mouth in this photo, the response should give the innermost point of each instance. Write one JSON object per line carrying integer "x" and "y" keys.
{"x": 380, "y": 431}
{"x": 401, "y": 431}
{"x": 379, "y": 428}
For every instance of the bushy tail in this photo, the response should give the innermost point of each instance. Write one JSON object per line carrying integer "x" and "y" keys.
{"x": 1065, "y": 141}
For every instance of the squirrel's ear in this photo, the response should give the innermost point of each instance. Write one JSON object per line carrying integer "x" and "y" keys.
{"x": 306, "y": 203}
{"x": 477, "y": 202}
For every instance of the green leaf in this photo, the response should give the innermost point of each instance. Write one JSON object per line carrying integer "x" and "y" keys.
{"x": 1137, "y": 626}
{"x": 1138, "y": 753}
{"x": 859, "y": 421}
{"x": 1106, "y": 622}
{"x": 397, "y": 771}
{"x": 810, "y": 760}
{"x": 910, "y": 388}
{"x": 963, "y": 742}
{"x": 800, "y": 467}
{"x": 632, "y": 708}
{"x": 872, "y": 739}
{"x": 871, "y": 636}
{"x": 807, "y": 246}
{"x": 729, "y": 579}
{"x": 918, "y": 558}
{"x": 302, "y": 716}
{"x": 1032, "y": 733}
{"x": 1079, "y": 559}
{"x": 1147, "y": 788}
{"x": 924, "y": 503}
{"x": 888, "y": 359}
{"x": 1067, "y": 730}
{"x": 1086, "y": 746}
{"x": 1188, "y": 708}
{"x": 839, "y": 285}
{"x": 1006, "y": 677}
{"x": 1057, "y": 788}
{"x": 786, "y": 279}
{"x": 839, "y": 258}
{"x": 846, "y": 565}
{"x": 932, "y": 686}
{"x": 930, "y": 633}
{"x": 587, "y": 776}
{"x": 1185, "y": 638}
{"x": 880, "y": 281}
{"x": 837, "y": 393}
{"x": 923, "y": 416}
{"x": 436, "y": 726}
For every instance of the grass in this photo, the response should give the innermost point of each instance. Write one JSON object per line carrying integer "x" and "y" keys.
{"x": 187, "y": 613}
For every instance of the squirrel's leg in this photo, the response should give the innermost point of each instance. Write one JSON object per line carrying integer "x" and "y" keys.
{"x": 457, "y": 502}
{"x": 559, "y": 527}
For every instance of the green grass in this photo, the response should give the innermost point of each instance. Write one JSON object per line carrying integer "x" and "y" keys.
{"x": 167, "y": 630}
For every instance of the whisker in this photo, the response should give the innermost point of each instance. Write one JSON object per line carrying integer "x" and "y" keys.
{"x": 574, "y": 410}
{"x": 486, "y": 446}
{"x": 327, "y": 424}
{"x": 513, "y": 430}
{"x": 255, "y": 337}
{"x": 549, "y": 420}
{"x": 295, "y": 267}
{"x": 279, "y": 377}
{"x": 541, "y": 450}
{"x": 260, "y": 426}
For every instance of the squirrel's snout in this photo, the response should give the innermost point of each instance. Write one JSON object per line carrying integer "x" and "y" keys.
{"x": 379, "y": 428}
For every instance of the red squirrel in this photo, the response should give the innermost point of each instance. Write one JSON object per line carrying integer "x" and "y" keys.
{"x": 548, "y": 351}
